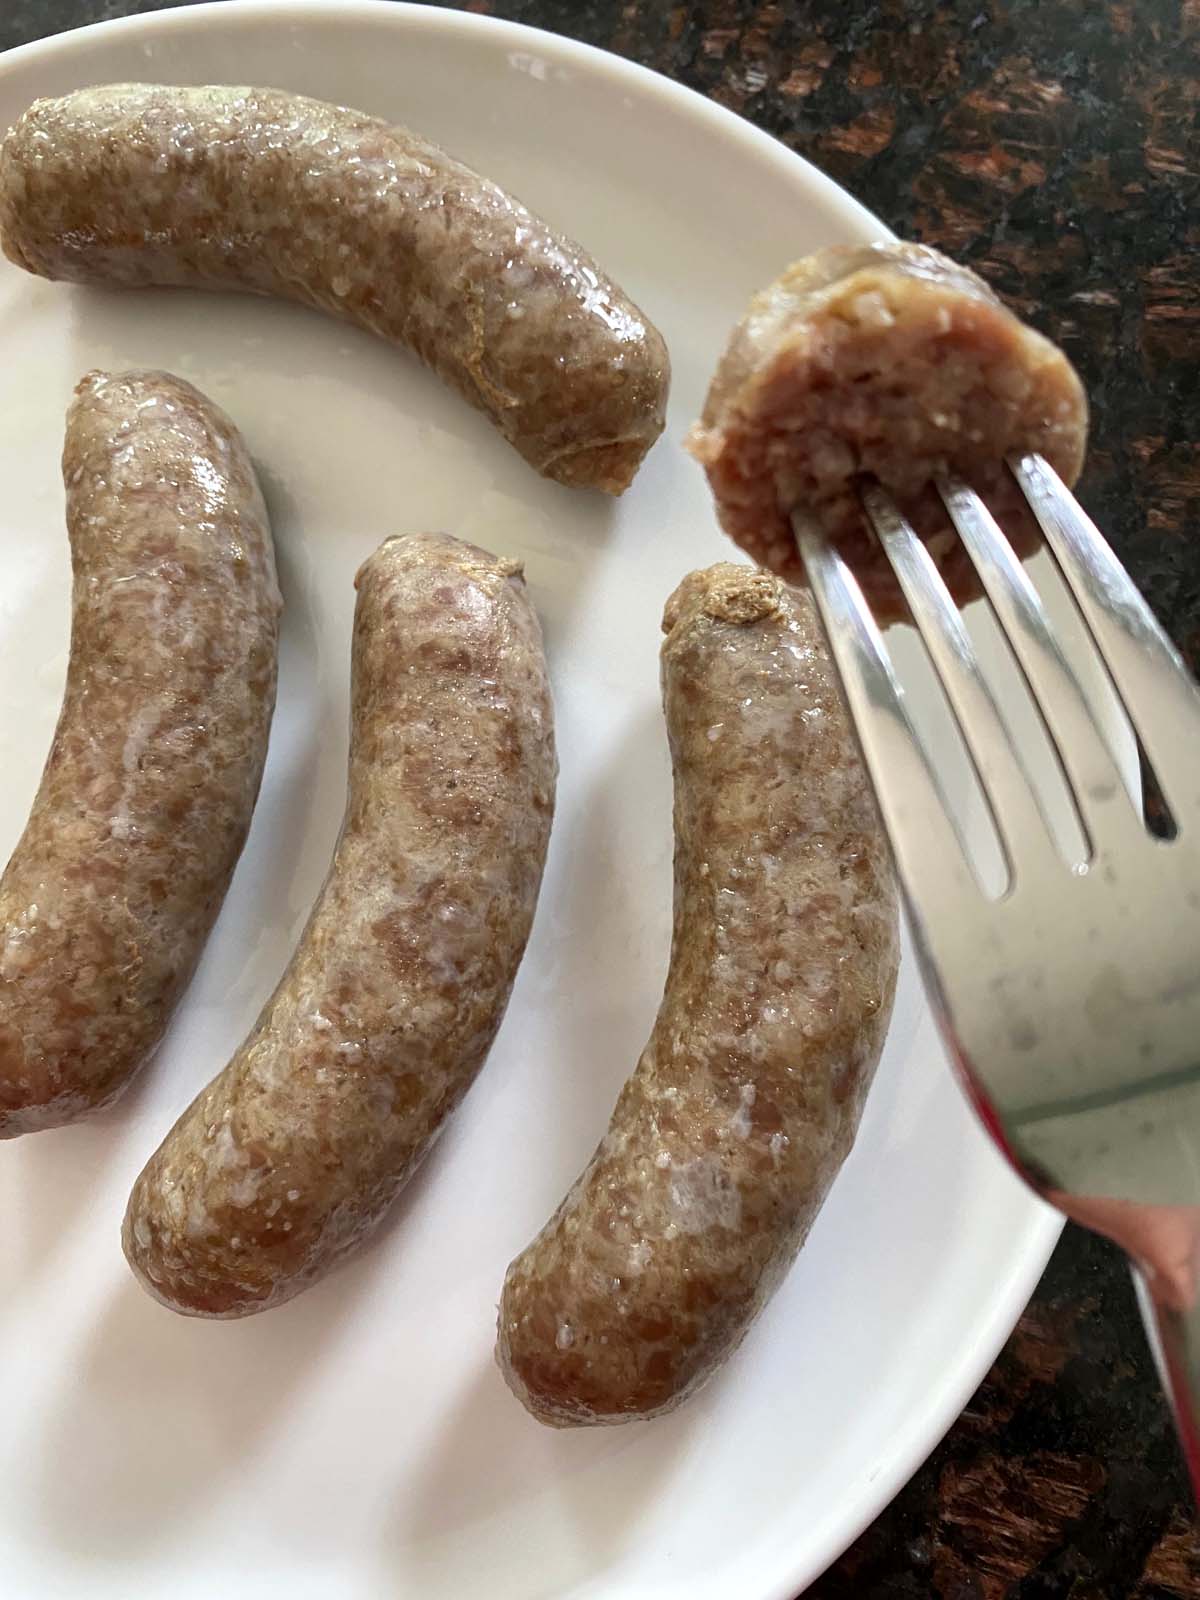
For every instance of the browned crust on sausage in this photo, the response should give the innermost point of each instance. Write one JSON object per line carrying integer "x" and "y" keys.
{"x": 747, "y": 1097}
{"x": 251, "y": 188}
{"x": 151, "y": 780}
{"x": 886, "y": 362}
{"x": 292, "y": 1155}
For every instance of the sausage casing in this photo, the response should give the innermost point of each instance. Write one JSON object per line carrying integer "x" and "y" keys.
{"x": 747, "y": 1097}
{"x": 294, "y": 1152}
{"x": 244, "y": 188}
{"x": 151, "y": 780}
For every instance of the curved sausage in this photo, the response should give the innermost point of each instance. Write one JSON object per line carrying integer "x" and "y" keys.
{"x": 292, "y": 1155}
{"x": 242, "y": 188}
{"x": 747, "y": 1097}
{"x": 151, "y": 780}
{"x": 885, "y": 361}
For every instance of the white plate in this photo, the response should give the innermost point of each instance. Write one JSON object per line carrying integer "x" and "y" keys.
{"x": 359, "y": 1442}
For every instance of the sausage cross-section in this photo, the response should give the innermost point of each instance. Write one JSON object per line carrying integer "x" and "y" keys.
{"x": 886, "y": 362}
{"x": 747, "y": 1097}
{"x": 242, "y": 188}
{"x": 151, "y": 780}
{"x": 292, "y": 1155}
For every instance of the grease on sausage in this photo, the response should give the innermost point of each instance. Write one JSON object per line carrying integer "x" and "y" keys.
{"x": 747, "y": 1097}
{"x": 292, "y": 1155}
{"x": 250, "y": 188}
{"x": 151, "y": 780}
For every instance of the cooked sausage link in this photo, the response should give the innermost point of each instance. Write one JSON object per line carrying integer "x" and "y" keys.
{"x": 748, "y": 1095}
{"x": 244, "y": 188}
{"x": 151, "y": 780}
{"x": 292, "y": 1155}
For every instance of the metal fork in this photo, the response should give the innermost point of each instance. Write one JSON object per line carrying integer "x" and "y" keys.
{"x": 1071, "y": 1003}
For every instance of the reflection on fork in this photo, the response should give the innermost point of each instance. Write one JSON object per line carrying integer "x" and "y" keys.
{"x": 1071, "y": 999}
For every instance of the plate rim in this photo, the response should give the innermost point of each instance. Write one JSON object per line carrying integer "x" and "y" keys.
{"x": 794, "y": 1567}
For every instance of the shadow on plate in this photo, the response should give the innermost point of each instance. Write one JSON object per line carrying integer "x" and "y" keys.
{"x": 295, "y": 795}
{"x": 529, "y": 1511}
{"x": 161, "y": 1414}
{"x": 602, "y": 924}
{"x": 49, "y": 1183}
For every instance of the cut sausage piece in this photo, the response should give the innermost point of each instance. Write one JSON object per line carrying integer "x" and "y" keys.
{"x": 292, "y": 1155}
{"x": 747, "y": 1097}
{"x": 885, "y": 361}
{"x": 241, "y": 188}
{"x": 151, "y": 780}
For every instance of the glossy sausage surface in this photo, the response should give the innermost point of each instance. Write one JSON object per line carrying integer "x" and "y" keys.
{"x": 292, "y": 1155}
{"x": 257, "y": 189}
{"x": 151, "y": 780}
{"x": 747, "y": 1097}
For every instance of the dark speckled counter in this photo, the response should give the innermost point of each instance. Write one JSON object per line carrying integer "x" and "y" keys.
{"x": 1054, "y": 145}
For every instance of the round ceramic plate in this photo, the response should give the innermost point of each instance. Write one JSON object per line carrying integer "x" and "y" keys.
{"x": 359, "y": 1441}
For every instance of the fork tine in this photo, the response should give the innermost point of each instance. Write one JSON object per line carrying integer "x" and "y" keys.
{"x": 1019, "y": 820}
{"x": 1101, "y": 799}
{"x": 1148, "y": 672}
{"x": 934, "y": 872}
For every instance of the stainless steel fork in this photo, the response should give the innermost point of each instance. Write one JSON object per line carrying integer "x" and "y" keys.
{"x": 1071, "y": 1002}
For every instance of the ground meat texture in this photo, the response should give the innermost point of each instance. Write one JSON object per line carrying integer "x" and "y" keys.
{"x": 240, "y": 188}
{"x": 151, "y": 780}
{"x": 747, "y": 1097}
{"x": 292, "y": 1155}
{"x": 884, "y": 361}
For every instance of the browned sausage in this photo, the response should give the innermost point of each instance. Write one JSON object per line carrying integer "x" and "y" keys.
{"x": 239, "y": 188}
{"x": 152, "y": 777}
{"x": 292, "y": 1155}
{"x": 885, "y": 361}
{"x": 747, "y": 1097}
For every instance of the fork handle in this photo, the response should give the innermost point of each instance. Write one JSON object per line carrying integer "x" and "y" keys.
{"x": 1163, "y": 1246}
{"x": 1173, "y": 1330}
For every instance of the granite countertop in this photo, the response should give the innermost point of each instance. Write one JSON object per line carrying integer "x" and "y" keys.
{"x": 1054, "y": 145}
